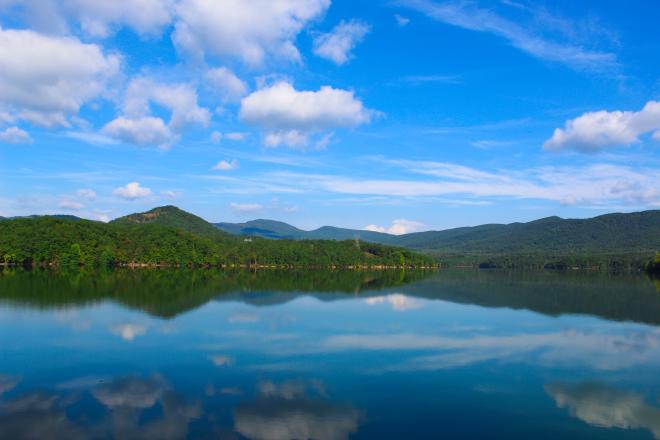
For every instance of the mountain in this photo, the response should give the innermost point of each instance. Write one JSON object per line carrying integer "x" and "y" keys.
{"x": 170, "y": 216}
{"x": 638, "y": 231}
{"x": 280, "y": 230}
{"x": 263, "y": 228}
{"x": 634, "y": 233}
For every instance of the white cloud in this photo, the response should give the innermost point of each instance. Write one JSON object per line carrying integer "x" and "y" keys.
{"x": 594, "y": 131}
{"x": 230, "y": 87}
{"x": 100, "y": 18}
{"x": 246, "y": 207}
{"x": 398, "y": 227}
{"x": 179, "y": 98}
{"x": 226, "y": 165}
{"x": 249, "y": 30}
{"x": 401, "y": 20}
{"x": 14, "y": 135}
{"x": 337, "y": 45}
{"x": 138, "y": 126}
{"x": 46, "y": 79}
{"x": 86, "y": 194}
{"x": 71, "y": 205}
{"x": 529, "y": 38}
{"x": 141, "y": 131}
{"x": 289, "y": 116}
{"x": 132, "y": 191}
{"x": 216, "y": 137}
{"x": 593, "y": 185}
{"x": 375, "y": 228}
{"x": 128, "y": 331}
{"x": 96, "y": 18}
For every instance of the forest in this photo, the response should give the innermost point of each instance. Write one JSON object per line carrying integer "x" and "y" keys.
{"x": 51, "y": 241}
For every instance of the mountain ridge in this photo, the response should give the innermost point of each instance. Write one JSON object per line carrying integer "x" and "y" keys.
{"x": 614, "y": 232}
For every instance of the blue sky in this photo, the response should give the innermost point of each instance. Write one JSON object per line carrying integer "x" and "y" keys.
{"x": 397, "y": 115}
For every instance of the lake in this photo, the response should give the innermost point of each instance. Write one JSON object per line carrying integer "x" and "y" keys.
{"x": 328, "y": 355}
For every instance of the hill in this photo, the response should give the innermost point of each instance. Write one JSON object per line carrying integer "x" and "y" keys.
{"x": 169, "y": 216}
{"x": 264, "y": 228}
{"x": 280, "y": 230}
{"x": 168, "y": 236}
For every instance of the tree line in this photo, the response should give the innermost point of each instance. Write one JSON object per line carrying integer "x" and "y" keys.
{"x": 49, "y": 241}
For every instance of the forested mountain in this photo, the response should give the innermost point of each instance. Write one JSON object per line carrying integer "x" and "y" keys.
{"x": 607, "y": 240}
{"x": 605, "y": 233}
{"x": 169, "y": 216}
{"x": 280, "y": 230}
{"x": 170, "y": 237}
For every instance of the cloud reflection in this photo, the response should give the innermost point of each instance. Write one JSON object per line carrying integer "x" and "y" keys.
{"x": 294, "y": 410}
{"x": 398, "y": 301}
{"x": 128, "y": 331}
{"x": 606, "y": 407}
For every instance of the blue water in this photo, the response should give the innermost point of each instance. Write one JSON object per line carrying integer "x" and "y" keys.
{"x": 468, "y": 355}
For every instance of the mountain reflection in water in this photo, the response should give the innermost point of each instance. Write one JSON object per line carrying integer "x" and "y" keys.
{"x": 328, "y": 355}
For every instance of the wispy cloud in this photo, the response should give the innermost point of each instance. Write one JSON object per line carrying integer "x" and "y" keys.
{"x": 529, "y": 39}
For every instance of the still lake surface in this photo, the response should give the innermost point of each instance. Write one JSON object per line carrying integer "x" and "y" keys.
{"x": 328, "y": 355}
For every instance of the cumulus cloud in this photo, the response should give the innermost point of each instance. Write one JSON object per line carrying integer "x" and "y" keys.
{"x": 46, "y": 79}
{"x": 337, "y": 45}
{"x": 132, "y": 191}
{"x": 100, "y": 19}
{"x": 140, "y": 131}
{"x": 226, "y": 165}
{"x": 230, "y": 87}
{"x": 139, "y": 127}
{"x": 595, "y": 131}
{"x": 14, "y": 135}
{"x": 248, "y": 30}
{"x": 398, "y": 227}
{"x": 606, "y": 407}
{"x": 246, "y": 207}
{"x": 289, "y": 116}
{"x": 96, "y": 18}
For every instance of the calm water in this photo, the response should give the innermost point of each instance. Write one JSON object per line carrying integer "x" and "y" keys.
{"x": 169, "y": 354}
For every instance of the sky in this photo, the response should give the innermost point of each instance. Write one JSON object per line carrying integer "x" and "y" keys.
{"x": 396, "y": 116}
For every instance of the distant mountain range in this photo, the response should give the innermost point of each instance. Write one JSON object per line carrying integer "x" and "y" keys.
{"x": 638, "y": 231}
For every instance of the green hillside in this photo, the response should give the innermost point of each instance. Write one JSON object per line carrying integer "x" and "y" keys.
{"x": 264, "y": 228}
{"x": 280, "y": 230}
{"x": 607, "y": 240}
{"x": 639, "y": 231}
{"x": 162, "y": 237}
{"x": 169, "y": 216}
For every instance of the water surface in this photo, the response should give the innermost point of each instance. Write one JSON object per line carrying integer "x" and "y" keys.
{"x": 328, "y": 355}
